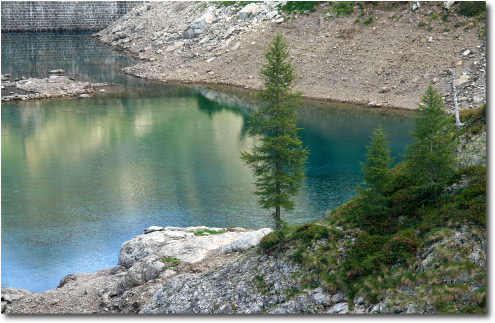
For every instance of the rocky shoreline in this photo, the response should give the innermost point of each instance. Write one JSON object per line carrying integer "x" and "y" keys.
{"x": 337, "y": 58}
{"x": 144, "y": 264}
{"x": 54, "y": 86}
{"x": 201, "y": 270}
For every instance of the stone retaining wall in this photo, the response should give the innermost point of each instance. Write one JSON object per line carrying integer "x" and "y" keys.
{"x": 62, "y": 15}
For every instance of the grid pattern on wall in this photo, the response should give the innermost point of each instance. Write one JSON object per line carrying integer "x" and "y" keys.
{"x": 62, "y": 15}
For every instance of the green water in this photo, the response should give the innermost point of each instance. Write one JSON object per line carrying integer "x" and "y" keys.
{"x": 79, "y": 177}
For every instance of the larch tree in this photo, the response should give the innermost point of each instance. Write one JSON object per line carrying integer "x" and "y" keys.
{"x": 278, "y": 157}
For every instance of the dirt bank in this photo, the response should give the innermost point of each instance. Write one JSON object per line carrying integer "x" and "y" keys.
{"x": 386, "y": 63}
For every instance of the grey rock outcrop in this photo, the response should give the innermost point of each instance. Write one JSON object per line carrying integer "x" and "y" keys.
{"x": 10, "y": 295}
{"x": 249, "y": 10}
{"x": 145, "y": 263}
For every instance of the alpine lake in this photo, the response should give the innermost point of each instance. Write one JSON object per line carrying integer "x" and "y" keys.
{"x": 80, "y": 177}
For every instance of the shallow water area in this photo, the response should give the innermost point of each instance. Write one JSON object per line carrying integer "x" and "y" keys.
{"x": 80, "y": 177}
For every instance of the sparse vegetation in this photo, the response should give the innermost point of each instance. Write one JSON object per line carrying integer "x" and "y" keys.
{"x": 170, "y": 262}
{"x": 368, "y": 21}
{"x": 471, "y": 8}
{"x": 298, "y": 6}
{"x": 341, "y": 8}
{"x": 206, "y": 232}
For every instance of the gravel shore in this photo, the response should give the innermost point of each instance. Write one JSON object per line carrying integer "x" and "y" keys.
{"x": 386, "y": 63}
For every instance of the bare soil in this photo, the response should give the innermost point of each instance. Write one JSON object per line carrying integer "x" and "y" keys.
{"x": 387, "y": 63}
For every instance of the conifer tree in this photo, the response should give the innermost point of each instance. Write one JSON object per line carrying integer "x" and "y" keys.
{"x": 373, "y": 204}
{"x": 430, "y": 159}
{"x": 278, "y": 158}
{"x": 376, "y": 169}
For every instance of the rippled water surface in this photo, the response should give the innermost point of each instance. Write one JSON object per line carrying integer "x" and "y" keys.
{"x": 79, "y": 177}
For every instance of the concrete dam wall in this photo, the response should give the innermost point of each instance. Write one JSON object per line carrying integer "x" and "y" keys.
{"x": 62, "y": 15}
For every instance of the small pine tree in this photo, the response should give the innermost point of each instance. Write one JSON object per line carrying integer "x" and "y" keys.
{"x": 430, "y": 159}
{"x": 373, "y": 204}
{"x": 278, "y": 158}
{"x": 376, "y": 169}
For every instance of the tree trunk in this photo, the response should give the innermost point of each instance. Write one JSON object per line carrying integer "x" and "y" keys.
{"x": 278, "y": 221}
{"x": 458, "y": 123}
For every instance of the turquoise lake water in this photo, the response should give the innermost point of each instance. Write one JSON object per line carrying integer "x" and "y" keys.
{"x": 80, "y": 177}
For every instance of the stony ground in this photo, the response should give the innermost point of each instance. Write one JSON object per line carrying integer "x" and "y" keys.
{"x": 145, "y": 263}
{"x": 386, "y": 63}
{"x": 55, "y": 86}
{"x": 258, "y": 283}
{"x": 223, "y": 274}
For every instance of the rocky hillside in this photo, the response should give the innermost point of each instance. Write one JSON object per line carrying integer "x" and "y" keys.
{"x": 381, "y": 54}
{"x": 259, "y": 283}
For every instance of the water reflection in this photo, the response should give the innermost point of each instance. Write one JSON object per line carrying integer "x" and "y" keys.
{"x": 79, "y": 177}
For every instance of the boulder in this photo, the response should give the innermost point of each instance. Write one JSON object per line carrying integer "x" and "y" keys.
{"x": 448, "y": 4}
{"x": 84, "y": 96}
{"x": 271, "y": 14}
{"x": 141, "y": 246}
{"x": 248, "y": 11}
{"x": 340, "y": 308}
{"x": 203, "y": 21}
{"x": 10, "y": 294}
{"x": 192, "y": 33}
{"x": 339, "y": 297}
{"x": 175, "y": 46}
{"x": 320, "y": 297}
{"x": 461, "y": 80}
{"x": 142, "y": 272}
{"x": 384, "y": 89}
{"x": 372, "y": 104}
{"x": 246, "y": 241}
{"x": 196, "y": 28}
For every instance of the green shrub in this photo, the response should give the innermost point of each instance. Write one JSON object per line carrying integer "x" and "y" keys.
{"x": 473, "y": 309}
{"x": 399, "y": 248}
{"x": 403, "y": 202}
{"x": 482, "y": 33}
{"x": 205, "y": 232}
{"x": 310, "y": 232}
{"x": 238, "y": 4}
{"x": 421, "y": 24}
{"x": 473, "y": 198}
{"x": 398, "y": 178}
{"x": 477, "y": 115}
{"x": 169, "y": 262}
{"x": 269, "y": 241}
{"x": 344, "y": 212}
{"x": 342, "y": 8}
{"x": 298, "y": 6}
{"x": 471, "y": 8}
{"x": 368, "y": 21}
{"x": 363, "y": 257}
